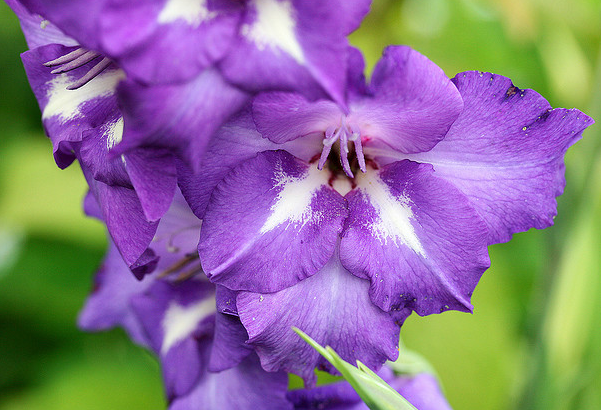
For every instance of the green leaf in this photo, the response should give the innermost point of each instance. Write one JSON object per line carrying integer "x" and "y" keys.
{"x": 374, "y": 391}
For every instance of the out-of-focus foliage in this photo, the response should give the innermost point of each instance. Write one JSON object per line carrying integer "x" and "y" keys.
{"x": 534, "y": 341}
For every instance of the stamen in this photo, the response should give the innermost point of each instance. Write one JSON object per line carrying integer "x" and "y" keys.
{"x": 331, "y": 136}
{"x": 344, "y": 151}
{"x": 76, "y": 59}
{"x": 67, "y": 58}
{"x": 356, "y": 139}
{"x": 190, "y": 273}
{"x": 180, "y": 264}
{"x": 97, "y": 69}
{"x": 343, "y": 134}
{"x": 76, "y": 63}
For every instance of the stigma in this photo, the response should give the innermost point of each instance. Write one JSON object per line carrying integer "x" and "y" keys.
{"x": 345, "y": 134}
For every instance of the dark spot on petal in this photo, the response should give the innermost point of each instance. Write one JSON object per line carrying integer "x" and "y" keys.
{"x": 511, "y": 91}
{"x": 539, "y": 120}
{"x": 545, "y": 115}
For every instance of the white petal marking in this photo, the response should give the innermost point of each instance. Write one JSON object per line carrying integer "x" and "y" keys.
{"x": 114, "y": 133}
{"x": 193, "y": 12}
{"x": 394, "y": 213}
{"x": 67, "y": 103}
{"x": 274, "y": 28}
{"x": 293, "y": 203}
{"x": 180, "y": 321}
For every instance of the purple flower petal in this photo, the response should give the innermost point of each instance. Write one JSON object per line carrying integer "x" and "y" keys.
{"x": 294, "y": 45}
{"x": 177, "y": 234}
{"x": 235, "y": 142}
{"x": 283, "y": 117}
{"x": 333, "y": 307}
{"x": 245, "y": 387}
{"x": 181, "y": 117}
{"x": 271, "y": 222}
{"x": 413, "y": 103}
{"x": 67, "y": 113}
{"x": 226, "y": 300}
{"x": 154, "y": 177}
{"x": 91, "y": 207}
{"x": 38, "y": 32}
{"x": 229, "y": 344}
{"x": 125, "y": 221}
{"x": 421, "y": 390}
{"x": 335, "y": 396}
{"x": 108, "y": 305}
{"x": 168, "y": 41}
{"x": 75, "y": 18}
{"x": 505, "y": 153}
{"x": 171, "y": 314}
{"x": 255, "y": 70}
{"x": 415, "y": 237}
{"x": 86, "y": 121}
{"x": 356, "y": 82}
{"x": 94, "y": 152}
{"x": 120, "y": 208}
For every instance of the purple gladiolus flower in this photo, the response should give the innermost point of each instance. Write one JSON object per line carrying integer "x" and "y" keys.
{"x": 303, "y": 202}
{"x": 257, "y": 44}
{"x": 311, "y": 198}
{"x": 177, "y": 101}
{"x": 181, "y": 59}
{"x": 172, "y": 311}
{"x": 99, "y": 104}
{"x": 89, "y": 106}
{"x": 410, "y": 196}
{"x": 80, "y": 89}
{"x": 84, "y": 122}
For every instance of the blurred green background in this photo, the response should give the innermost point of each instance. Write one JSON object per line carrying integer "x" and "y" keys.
{"x": 534, "y": 340}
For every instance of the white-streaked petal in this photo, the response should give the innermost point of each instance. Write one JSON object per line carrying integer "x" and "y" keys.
{"x": 395, "y": 213}
{"x": 272, "y": 221}
{"x": 293, "y": 203}
{"x": 193, "y": 12}
{"x": 67, "y": 103}
{"x": 114, "y": 133}
{"x": 274, "y": 27}
{"x": 415, "y": 237}
{"x": 180, "y": 321}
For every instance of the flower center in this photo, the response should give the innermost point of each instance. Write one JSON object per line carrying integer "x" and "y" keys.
{"x": 344, "y": 134}
{"x": 76, "y": 59}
